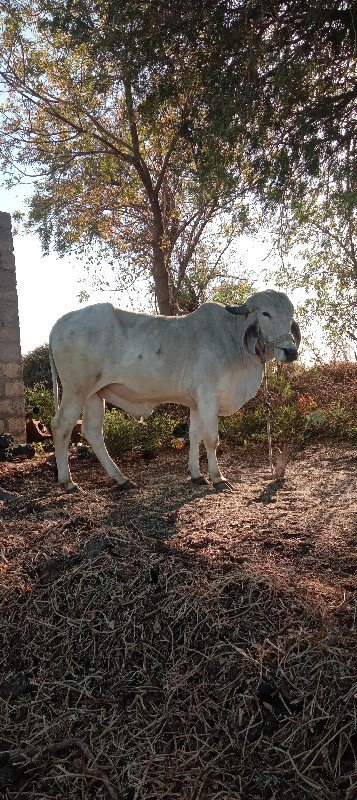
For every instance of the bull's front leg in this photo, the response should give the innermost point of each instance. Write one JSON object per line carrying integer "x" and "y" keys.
{"x": 196, "y": 436}
{"x": 208, "y": 415}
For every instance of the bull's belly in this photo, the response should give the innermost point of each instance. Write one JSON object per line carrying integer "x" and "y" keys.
{"x": 135, "y": 403}
{"x": 237, "y": 389}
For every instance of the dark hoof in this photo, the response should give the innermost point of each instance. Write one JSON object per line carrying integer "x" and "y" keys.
{"x": 200, "y": 481}
{"x": 70, "y": 488}
{"x": 124, "y": 487}
{"x": 73, "y": 489}
{"x": 223, "y": 486}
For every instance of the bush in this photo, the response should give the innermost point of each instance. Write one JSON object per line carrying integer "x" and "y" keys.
{"x": 340, "y": 422}
{"x": 36, "y": 368}
{"x": 157, "y": 429}
{"x": 42, "y": 397}
{"x": 122, "y": 432}
{"x": 324, "y": 398}
{"x": 250, "y": 427}
{"x": 307, "y": 405}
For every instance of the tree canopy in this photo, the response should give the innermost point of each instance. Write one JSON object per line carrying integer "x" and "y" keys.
{"x": 152, "y": 127}
{"x": 277, "y": 78}
{"x": 106, "y": 170}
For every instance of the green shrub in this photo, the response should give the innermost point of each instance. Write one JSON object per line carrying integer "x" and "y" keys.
{"x": 36, "y": 368}
{"x": 288, "y": 426}
{"x": 250, "y": 427}
{"x": 340, "y": 423}
{"x": 42, "y": 397}
{"x": 122, "y": 432}
{"x": 294, "y": 393}
{"x": 156, "y": 430}
{"x": 307, "y": 405}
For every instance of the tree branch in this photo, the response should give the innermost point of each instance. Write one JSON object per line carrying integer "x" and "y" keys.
{"x": 38, "y": 99}
{"x": 105, "y": 131}
{"x": 193, "y": 242}
{"x": 139, "y": 163}
{"x": 165, "y": 163}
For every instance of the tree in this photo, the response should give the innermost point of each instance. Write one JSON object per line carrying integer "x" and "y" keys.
{"x": 315, "y": 241}
{"x": 36, "y": 367}
{"x": 311, "y": 189}
{"x": 107, "y": 173}
{"x": 277, "y": 83}
{"x": 275, "y": 77}
{"x": 302, "y": 144}
{"x": 151, "y": 120}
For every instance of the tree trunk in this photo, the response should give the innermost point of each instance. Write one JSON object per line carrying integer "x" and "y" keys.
{"x": 159, "y": 268}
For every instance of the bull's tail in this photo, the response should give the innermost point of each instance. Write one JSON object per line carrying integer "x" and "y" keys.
{"x": 54, "y": 376}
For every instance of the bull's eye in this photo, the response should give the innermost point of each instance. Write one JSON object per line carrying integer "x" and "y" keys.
{"x": 265, "y": 314}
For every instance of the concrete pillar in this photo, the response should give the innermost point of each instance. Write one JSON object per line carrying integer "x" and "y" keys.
{"x": 12, "y": 403}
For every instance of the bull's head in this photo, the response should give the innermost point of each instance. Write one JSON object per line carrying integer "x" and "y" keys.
{"x": 264, "y": 343}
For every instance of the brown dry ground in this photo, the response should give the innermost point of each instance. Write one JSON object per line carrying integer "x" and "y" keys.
{"x": 172, "y": 642}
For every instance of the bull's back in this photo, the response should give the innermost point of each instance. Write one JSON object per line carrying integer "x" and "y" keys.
{"x": 100, "y": 344}
{"x": 153, "y": 356}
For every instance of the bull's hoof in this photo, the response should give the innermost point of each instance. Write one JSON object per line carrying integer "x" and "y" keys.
{"x": 124, "y": 487}
{"x": 200, "y": 481}
{"x": 223, "y": 486}
{"x": 70, "y": 488}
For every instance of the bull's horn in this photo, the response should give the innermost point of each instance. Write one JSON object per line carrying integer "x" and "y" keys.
{"x": 295, "y": 330}
{"x": 241, "y": 311}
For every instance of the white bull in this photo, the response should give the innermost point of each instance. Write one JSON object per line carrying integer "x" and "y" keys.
{"x": 210, "y": 360}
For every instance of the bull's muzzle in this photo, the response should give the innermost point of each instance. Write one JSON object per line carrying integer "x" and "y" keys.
{"x": 290, "y": 353}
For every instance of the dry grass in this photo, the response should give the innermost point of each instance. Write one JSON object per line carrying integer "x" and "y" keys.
{"x": 144, "y": 655}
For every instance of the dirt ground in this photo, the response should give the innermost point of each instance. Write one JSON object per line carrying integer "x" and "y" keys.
{"x": 295, "y": 537}
{"x": 303, "y": 528}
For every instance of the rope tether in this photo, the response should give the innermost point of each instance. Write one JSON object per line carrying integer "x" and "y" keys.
{"x": 268, "y": 412}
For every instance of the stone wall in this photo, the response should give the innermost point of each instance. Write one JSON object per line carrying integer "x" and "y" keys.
{"x": 12, "y": 404}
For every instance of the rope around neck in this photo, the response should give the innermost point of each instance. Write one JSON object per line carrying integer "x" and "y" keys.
{"x": 265, "y": 349}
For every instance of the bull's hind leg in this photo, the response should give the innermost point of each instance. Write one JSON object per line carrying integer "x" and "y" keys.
{"x": 62, "y": 426}
{"x": 196, "y": 436}
{"x": 92, "y": 429}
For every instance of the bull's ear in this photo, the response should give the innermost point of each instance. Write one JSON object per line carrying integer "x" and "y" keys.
{"x": 241, "y": 311}
{"x": 295, "y": 330}
{"x": 250, "y": 338}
